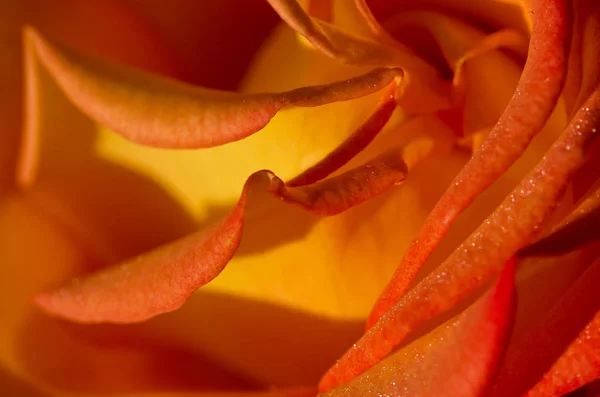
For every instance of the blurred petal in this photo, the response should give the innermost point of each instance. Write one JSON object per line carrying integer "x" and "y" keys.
{"x": 272, "y": 393}
{"x": 162, "y": 280}
{"x": 457, "y": 359}
{"x": 131, "y": 39}
{"x": 37, "y": 253}
{"x": 528, "y": 110}
{"x": 584, "y": 73}
{"x": 210, "y": 52}
{"x": 577, "y": 366}
{"x": 14, "y": 386}
{"x": 545, "y": 343}
{"x": 504, "y": 232}
{"x": 484, "y": 79}
{"x": 514, "y": 14}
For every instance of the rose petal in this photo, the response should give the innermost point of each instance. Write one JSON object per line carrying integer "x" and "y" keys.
{"x": 578, "y": 229}
{"x": 262, "y": 284}
{"x": 534, "y": 353}
{"x": 156, "y": 111}
{"x": 131, "y": 40}
{"x": 211, "y": 52}
{"x": 293, "y": 392}
{"x": 422, "y": 91}
{"x": 537, "y": 91}
{"x": 504, "y": 232}
{"x": 162, "y": 280}
{"x": 514, "y": 14}
{"x": 577, "y": 366}
{"x": 456, "y": 359}
{"x": 584, "y": 73}
{"x": 91, "y": 359}
{"x": 483, "y": 85}
{"x": 354, "y": 144}
{"x": 336, "y": 43}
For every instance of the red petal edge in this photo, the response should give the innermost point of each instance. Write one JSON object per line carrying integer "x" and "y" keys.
{"x": 457, "y": 359}
{"x": 162, "y": 280}
{"x": 508, "y": 229}
{"x": 569, "y": 337}
{"x": 534, "y": 99}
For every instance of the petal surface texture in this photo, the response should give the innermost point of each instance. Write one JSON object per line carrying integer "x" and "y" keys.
{"x": 484, "y": 251}
{"x": 456, "y": 359}
{"x": 537, "y": 91}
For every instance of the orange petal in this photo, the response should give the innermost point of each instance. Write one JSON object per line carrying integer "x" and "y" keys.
{"x": 292, "y": 392}
{"x": 527, "y": 112}
{"x": 54, "y": 355}
{"x": 578, "y": 229}
{"x": 504, "y": 232}
{"x": 482, "y": 85}
{"x": 421, "y": 92}
{"x": 354, "y": 144}
{"x": 338, "y": 44}
{"x": 131, "y": 39}
{"x": 162, "y": 280}
{"x": 584, "y": 73}
{"x": 534, "y": 354}
{"x": 210, "y": 51}
{"x": 514, "y": 14}
{"x": 456, "y": 359}
{"x": 577, "y": 366}
{"x": 156, "y": 111}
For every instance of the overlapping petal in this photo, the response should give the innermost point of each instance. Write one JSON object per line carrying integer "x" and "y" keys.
{"x": 457, "y": 359}
{"x": 504, "y": 232}
{"x": 160, "y": 112}
{"x": 422, "y": 90}
{"x": 37, "y": 253}
{"x": 537, "y": 91}
{"x": 163, "y": 280}
{"x": 554, "y": 343}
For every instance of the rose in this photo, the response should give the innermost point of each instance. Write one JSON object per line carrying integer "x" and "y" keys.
{"x": 48, "y": 202}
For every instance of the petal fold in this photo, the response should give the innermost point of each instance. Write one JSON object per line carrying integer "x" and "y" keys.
{"x": 558, "y": 346}
{"x": 422, "y": 90}
{"x": 457, "y": 359}
{"x": 162, "y": 280}
{"x": 509, "y": 228}
{"x": 529, "y": 108}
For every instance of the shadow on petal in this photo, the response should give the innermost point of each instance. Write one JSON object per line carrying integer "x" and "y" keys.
{"x": 267, "y": 342}
{"x": 89, "y": 359}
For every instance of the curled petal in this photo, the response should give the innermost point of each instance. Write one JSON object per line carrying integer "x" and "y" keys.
{"x": 456, "y": 359}
{"x": 162, "y": 280}
{"x": 535, "y": 97}
{"x": 338, "y": 44}
{"x": 157, "y": 111}
{"x": 354, "y": 144}
{"x": 422, "y": 89}
{"x": 560, "y": 338}
{"x": 481, "y": 255}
